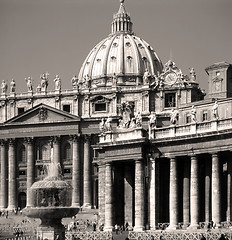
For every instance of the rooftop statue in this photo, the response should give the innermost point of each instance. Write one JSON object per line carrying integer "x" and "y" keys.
{"x": 173, "y": 117}
{"x": 4, "y": 86}
{"x": 146, "y": 77}
{"x": 12, "y": 86}
{"x": 108, "y": 126}
{"x": 193, "y": 114}
{"x": 102, "y": 126}
{"x": 138, "y": 120}
{"x": 192, "y": 75}
{"x": 215, "y": 110}
{"x": 87, "y": 80}
{"x": 74, "y": 82}
{"x": 29, "y": 84}
{"x": 152, "y": 120}
{"x": 44, "y": 81}
{"x": 57, "y": 82}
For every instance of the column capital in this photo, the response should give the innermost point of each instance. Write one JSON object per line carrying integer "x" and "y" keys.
{"x": 86, "y": 137}
{"x": 2, "y": 142}
{"x": 56, "y": 139}
{"x": 214, "y": 154}
{"x": 11, "y": 141}
{"x": 193, "y": 157}
{"x": 29, "y": 140}
{"x": 75, "y": 138}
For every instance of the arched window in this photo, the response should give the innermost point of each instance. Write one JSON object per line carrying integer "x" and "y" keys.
{"x": 22, "y": 153}
{"x": 45, "y": 152}
{"x": 67, "y": 152}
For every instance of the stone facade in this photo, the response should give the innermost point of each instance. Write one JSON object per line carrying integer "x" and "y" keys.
{"x": 135, "y": 138}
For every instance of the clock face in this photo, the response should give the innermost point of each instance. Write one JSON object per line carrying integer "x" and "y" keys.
{"x": 170, "y": 78}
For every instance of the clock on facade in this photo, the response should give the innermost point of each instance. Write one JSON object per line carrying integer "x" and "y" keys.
{"x": 170, "y": 78}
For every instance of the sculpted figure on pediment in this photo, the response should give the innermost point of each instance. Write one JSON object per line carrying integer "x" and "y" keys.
{"x": 57, "y": 82}
{"x": 192, "y": 75}
{"x": 29, "y": 84}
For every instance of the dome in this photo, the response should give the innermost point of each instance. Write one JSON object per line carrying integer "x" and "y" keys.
{"x": 122, "y": 54}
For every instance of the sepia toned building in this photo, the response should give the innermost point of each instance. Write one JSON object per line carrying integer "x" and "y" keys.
{"x": 135, "y": 138}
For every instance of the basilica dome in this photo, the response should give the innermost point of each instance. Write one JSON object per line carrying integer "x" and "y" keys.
{"x": 121, "y": 54}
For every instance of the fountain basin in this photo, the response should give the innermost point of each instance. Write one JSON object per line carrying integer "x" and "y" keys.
{"x": 50, "y": 212}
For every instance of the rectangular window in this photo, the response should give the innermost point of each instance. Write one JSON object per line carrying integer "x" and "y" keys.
{"x": 22, "y": 172}
{"x": 20, "y": 110}
{"x": 67, "y": 170}
{"x": 170, "y": 100}
{"x": 100, "y": 107}
{"x": 205, "y": 116}
{"x": 188, "y": 118}
{"x": 67, "y": 108}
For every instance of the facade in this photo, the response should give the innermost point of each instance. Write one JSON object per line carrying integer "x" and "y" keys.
{"x": 136, "y": 139}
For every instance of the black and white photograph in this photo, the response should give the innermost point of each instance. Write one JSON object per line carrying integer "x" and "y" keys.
{"x": 115, "y": 119}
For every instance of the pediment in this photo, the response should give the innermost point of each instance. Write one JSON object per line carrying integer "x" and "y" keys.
{"x": 42, "y": 113}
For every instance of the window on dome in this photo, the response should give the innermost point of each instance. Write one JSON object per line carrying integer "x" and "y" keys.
{"x": 170, "y": 100}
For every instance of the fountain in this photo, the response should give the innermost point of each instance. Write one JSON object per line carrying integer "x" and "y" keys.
{"x": 52, "y": 202}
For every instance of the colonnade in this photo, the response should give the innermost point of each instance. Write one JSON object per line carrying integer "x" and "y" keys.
{"x": 187, "y": 210}
{"x": 9, "y": 171}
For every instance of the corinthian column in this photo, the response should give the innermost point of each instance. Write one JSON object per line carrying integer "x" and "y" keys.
{"x": 76, "y": 172}
{"x": 87, "y": 174}
{"x": 173, "y": 197}
{"x": 194, "y": 193}
{"x": 216, "y": 190}
{"x": 139, "y": 196}
{"x": 3, "y": 193}
{"x": 30, "y": 172}
{"x": 12, "y": 176}
{"x": 108, "y": 198}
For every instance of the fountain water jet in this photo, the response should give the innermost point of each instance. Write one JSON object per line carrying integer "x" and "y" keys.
{"x": 52, "y": 202}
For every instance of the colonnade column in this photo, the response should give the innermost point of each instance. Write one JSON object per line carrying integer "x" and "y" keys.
{"x": 30, "y": 172}
{"x": 207, "y": 191}
{"x": 153, "y": 195}
{"x": 12, "y": 176}
{"x": 194, "y": 193}
{"x": 173, "y": 195}
{"x": 139, "y": 196}
{"x": 56, "y": 149}
{"x": 216, "y": 190}
{"x": 76, "y": 172}
{"x": 108, "y": 197}
{"x": 229, "y": 186}
{"x": 87, "y": 202}
{"x": 3, "y": 193}
{"x": 186, "y": 193}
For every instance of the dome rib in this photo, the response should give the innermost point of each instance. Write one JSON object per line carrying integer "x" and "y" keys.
{"x": 107, "y": 56}
{"x": 122, "y": 69}
{"x": 138, "y": 63}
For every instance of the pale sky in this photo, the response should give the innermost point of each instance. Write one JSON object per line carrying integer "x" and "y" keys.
{"x": 37, "y": 36}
